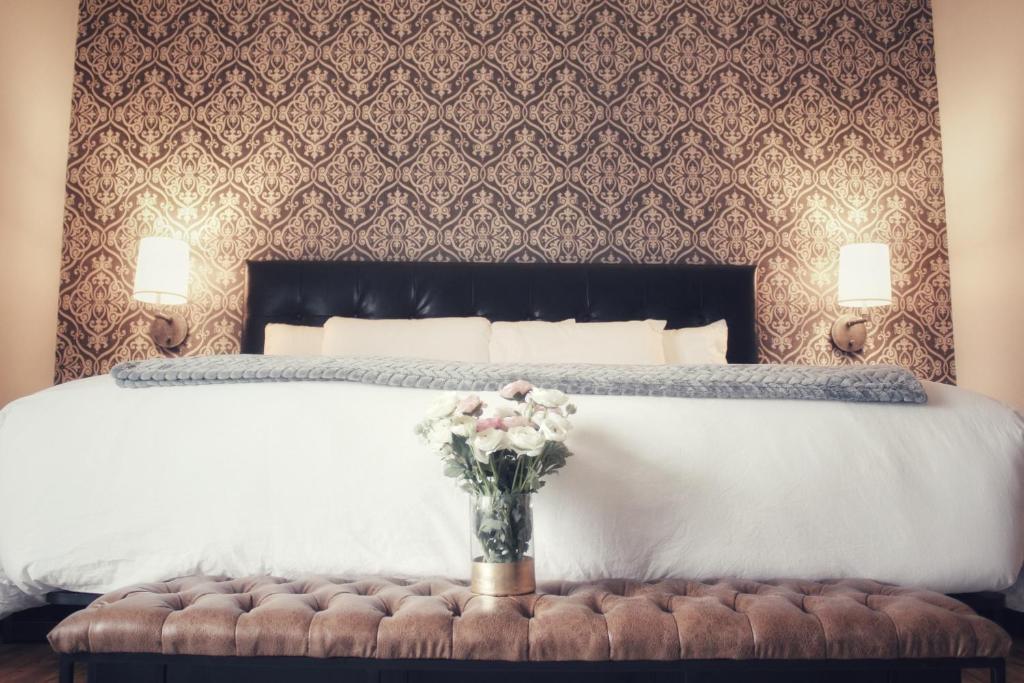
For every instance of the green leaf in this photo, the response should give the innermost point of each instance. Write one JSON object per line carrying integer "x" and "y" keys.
{"x": 454, "y": 469}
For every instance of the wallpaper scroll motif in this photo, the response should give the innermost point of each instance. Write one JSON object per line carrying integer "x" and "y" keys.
{"x": 727, "y": 131}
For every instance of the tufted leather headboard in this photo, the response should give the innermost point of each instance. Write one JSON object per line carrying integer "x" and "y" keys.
{"x": 309, "y": 292}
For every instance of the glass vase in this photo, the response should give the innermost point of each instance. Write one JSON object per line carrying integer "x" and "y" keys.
{"x": 501, "y": 541}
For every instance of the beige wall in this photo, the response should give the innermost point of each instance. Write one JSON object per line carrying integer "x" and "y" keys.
{"x": 980, "y": 62}
{"x": 37, "y": 43}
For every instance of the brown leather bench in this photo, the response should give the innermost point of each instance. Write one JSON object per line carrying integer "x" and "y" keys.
{"x": 609, "y": 626}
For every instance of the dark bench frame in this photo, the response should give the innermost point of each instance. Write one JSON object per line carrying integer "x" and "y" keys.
{"x": 395, "y": 671}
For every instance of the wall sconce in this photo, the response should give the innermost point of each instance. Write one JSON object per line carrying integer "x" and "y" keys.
{"x": 161, "y": 278}
{"x": 864, "y": 282}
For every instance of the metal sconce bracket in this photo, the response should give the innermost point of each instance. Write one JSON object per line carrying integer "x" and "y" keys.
{"x": 168, "y": 330}
{"x": 850, "y": 332}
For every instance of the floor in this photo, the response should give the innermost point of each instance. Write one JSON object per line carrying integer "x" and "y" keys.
{"x": 28, "y": 664}
{"x": 1014, "y": 667}
{"x": 36, "y": 664}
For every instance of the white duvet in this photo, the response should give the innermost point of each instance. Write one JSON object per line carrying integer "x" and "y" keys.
{"x": 102, "y": 487}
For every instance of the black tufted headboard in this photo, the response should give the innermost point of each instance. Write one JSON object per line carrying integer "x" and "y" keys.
{"x": 309, "y": 292}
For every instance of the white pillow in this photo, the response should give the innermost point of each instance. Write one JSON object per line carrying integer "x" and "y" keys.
{"x": 697, "y": 345}
{"x": 521, "y": 340}
{"x": 461, "y": 339}
{"x": 292, "y": 340}
{"x": 635, "y": 342}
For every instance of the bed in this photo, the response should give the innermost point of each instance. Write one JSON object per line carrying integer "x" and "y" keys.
{"x": 102, "y": 487}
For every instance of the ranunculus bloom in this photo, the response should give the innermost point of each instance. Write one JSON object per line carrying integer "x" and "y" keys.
{"x": 503, "y": 410}
{"x": 489, "y": 423}
{"x": 489, "y": 440}
{"x": 526, "y": 440}
{"x": 516, "y": 391}
{"x": 549, "y": 398}
{"x": 514, "y": 421}
{"x": 442, "y": 406}
{"x": 470, "y": 405}
{"x": 463, "y": 425}
{"x": 550, "y": 422}
{"x": 560, "y": 420}
{"x": 440, "y": 433}
{"x": 554, "y": 428}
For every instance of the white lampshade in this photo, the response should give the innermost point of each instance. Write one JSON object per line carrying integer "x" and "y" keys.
{"x": 161, "y": 272}
{"x": 864, "y": 278}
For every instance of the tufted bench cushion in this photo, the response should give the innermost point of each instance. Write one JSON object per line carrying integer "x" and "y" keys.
{"x": 611, "y": 620}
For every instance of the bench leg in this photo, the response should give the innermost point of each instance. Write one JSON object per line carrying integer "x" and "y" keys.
{"x": 998, "y": 674}
{"x": 66, "y": 669}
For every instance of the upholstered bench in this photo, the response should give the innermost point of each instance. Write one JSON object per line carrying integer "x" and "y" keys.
{"x": 328, "y": 629}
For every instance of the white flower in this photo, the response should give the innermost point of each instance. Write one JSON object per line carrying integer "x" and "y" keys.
{"x": 526, "y": 440}
{"x": 463, "y": 425}
{"x": 554, "y": 427}
{"x": 556, "y": 413}
{"x": 440, "y": 433}
{"x": 503, "y": 410}
{"x": 549, "y": 398}
{"x": 561, "y": 421}
{"x": 489, "y": 440}
{"x": 442, "y": 406}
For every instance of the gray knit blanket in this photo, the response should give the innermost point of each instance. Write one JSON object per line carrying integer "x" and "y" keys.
{"x": 862, "y": 383}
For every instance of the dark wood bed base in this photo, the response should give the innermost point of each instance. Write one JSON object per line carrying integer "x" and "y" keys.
{"x": 126, "y": 668}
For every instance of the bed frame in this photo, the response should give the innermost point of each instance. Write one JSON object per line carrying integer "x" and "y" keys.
{"x": 310, "y": 292}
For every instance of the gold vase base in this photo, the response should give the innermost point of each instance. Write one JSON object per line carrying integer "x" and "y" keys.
{"x": 503, "y": 578}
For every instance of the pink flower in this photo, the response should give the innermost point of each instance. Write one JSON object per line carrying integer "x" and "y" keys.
{"x": 514, "y": 421}
{"x": 516, "y": 391}
{"x": 470, "y": 405}
{"x": 489, "y": 423}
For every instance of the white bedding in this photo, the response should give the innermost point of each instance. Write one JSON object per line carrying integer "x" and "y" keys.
{"x": 102, "y": 487}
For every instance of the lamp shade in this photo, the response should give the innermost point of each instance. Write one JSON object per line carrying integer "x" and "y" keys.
{"x": 161, "y": 272}
{"x": 864, "y": 278}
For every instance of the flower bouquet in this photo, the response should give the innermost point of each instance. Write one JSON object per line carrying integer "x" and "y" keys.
{"x": 501, "y": 455}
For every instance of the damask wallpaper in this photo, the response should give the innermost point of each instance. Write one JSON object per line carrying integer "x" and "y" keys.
{"x": 738, "y": 131}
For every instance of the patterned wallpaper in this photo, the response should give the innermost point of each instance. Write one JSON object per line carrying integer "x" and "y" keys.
{"x": 734, "y": 131}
